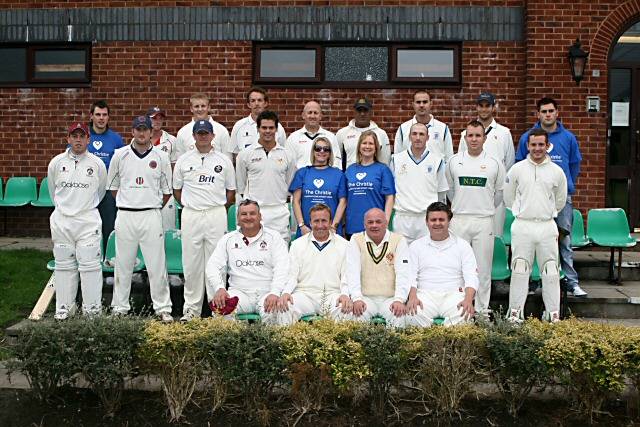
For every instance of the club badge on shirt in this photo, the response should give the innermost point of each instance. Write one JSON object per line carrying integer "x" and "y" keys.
{"x": 89, "y": 171}
{"x": 217, "y": 169}
{"x": 153, "y": 164}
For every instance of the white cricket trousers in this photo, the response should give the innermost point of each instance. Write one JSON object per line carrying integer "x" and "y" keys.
{"x": 534, "y": 240}
{"x": 437, "y": 304}
{"x": 77, "y": 249}
{"x": 411, "y": 226}
{"x": 379, "y": 306}
{"x": 252, "y": 301}
{"x": 479, "y": 233}
{"x": 169, "y": 214}
{"x": 309, "y": 303}
{"x": 276, "y": 217}
{"x": 201, "y": 231}
{"x": 142, "y": 228}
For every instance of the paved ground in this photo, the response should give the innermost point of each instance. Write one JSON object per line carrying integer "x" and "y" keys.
{"x": 41, "y": 243}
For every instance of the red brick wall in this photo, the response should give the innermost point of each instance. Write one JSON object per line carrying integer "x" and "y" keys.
{"x": 30, "y": 4}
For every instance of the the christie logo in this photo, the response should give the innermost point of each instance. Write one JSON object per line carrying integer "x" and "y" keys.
{"x": 249, "y": 263}
{"x": 65, "y": 184}
{"x": 139, "y": 180}
{"x": 205, "y": 178}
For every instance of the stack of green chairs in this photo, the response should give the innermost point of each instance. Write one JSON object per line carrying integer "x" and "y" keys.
{"x": 232, "y": 218}
{"x": 173, "y": 252}
{"x": 610, "y": 228}
{"x": 579, "y": 238}
{"x": 500, "y": 268}
{"x": 108, "y": 265}
{"x": 506, "y": 232}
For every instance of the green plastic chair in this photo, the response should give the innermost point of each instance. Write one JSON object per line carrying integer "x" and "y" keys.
{"x": 173, "y": 252}
{"x": 108, "y": 264}
{"x": 51, "y": 265}
{"x": 578, "y": 237}
{"x": 232, "y": 218}
{"x": 500, "y": 267}
{"x": 20, "y": 191}
{"x": 177, "y": 209}
{"x": 1, "y": 188}
{"x": 310, "y": 318}
{"x": 610, "y": 228}
{"x": 392, "y": 219}
{"x": 44, "y": 198}
{"x": 506, "y": 231}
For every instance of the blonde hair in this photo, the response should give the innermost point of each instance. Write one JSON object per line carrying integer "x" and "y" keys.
{"x": 199, "y": 96}
{"x": 332, "y": 157}
{"x": 363, "y": 135}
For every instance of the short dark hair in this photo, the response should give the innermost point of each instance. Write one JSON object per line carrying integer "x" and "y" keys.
{"x": 257, "y": 89}
{"x": 421, "y": 91}
{"x": 538, "y": 132}
{"x": 546, "y": 100}
{"x": 247, "y": 202}
{"x": 267, "y": 115}
{"x": 440, "y": 207}
{"x": 320, "y": 207}
{"x": 101, "y": 103}
{"x": 475, "y": 123}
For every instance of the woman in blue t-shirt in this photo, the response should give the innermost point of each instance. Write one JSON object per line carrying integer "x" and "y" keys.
{"x": 370, "y": 184}
{"x": 319, "y": 183}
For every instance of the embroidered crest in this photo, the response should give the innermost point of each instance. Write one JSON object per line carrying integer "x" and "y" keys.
{"x": 139, "y": 180}
{"x": 217, "y": 169}
{"x": 89, "y": 171}
{"x": 153, "y": 164}
{"x": 263, "y": 245}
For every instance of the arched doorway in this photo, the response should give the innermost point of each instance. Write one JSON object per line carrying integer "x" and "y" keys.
{"x": 623, "y": 148}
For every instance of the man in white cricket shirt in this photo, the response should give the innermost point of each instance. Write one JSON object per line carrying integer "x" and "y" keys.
{"x": 77, "y": 183}
{"x": 498, "y": 143}
{"x": 257, "y": 263}
{"x": 377, "y": 271}
{"x": 199, "y": 106}
{"x": 264, "y": 172}
{"x": 300, "y": 142}
{"x": 440, "y": 140}
{"x": 420, "y": 181}
{"x": 476, "y": 181}
{"x": 245, "y": 131}
{"x": 348, "y": 136}
{"x": 140, "y": 180}
{"x": 317, "y": 273}
{"x": 535, "y": 190}
{"x": 443, "y": 274}
{"x": 204, "y": 183}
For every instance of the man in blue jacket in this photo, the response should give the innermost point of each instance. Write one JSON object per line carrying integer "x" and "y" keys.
{"x": 564, "y": 152}
{"x": 103, "y": 142}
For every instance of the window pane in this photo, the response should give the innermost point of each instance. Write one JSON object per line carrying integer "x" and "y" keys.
{"x": 283, "y": 63}
{"x": 14, "y": 65}
{"x": 423, "y": 63}
{"x": 356, "y": 64}
{"x": 619, "y": 147}
{"x": 60, "y": 64}
{"x": 628, "y": 47}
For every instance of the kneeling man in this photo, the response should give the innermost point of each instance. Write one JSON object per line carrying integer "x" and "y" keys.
{"x": 443, "y": 273}
{"x": 317, "y": 277}
{"x": 256, "y": 260}
{"x": 377, "y": 271}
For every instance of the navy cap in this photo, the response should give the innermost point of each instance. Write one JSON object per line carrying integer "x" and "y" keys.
{"x": 201, "y": 125}
{"x": 154, "y": 111}
{"x": 141, "y": 121}
{"x": 486, "y": 97}
{"x": 362, "y": 103}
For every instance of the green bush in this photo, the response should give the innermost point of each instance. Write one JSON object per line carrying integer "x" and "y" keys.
{"x": 589, "y": 361}
{"x": 104, "y": 349}
{"x": 443, "y": 363}
{"x": 513, "y": 359}
{"x": 43, "y": 354}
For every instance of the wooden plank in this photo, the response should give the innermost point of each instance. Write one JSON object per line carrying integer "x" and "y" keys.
{"x": 44, "y": 300}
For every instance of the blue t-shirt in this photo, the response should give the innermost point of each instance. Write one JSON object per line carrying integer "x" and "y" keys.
{"x": 367, "y": 187}
{"x": 326, "y": 186}
{"x": 104, "y": 144}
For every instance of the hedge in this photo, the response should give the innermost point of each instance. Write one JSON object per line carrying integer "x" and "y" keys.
{"x": 308, "y": 365}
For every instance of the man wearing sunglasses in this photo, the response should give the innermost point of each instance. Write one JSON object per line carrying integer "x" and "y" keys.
{"x": 565, "y": 152}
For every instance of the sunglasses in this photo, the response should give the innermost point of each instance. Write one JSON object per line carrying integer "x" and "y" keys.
{"x": 318, "y": 149}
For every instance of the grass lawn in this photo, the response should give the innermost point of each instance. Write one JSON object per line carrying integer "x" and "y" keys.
{"x": 23, "y": 274}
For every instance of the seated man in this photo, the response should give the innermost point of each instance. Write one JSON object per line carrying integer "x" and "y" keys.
{"x": 377, "y": 271}
{"x": 317, "y": 278}
{"x": 256, "y": 260}
{"x": 443, "y": 274}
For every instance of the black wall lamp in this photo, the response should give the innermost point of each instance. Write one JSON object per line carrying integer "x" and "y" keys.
{"x": 577, "y": 61}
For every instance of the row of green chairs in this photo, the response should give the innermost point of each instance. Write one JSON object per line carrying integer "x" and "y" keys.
{"x": 376, "y": 320}
{"x": 23, "y": 190}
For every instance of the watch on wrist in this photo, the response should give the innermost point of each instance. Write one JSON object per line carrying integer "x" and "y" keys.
{"x": 301, "y": 225}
